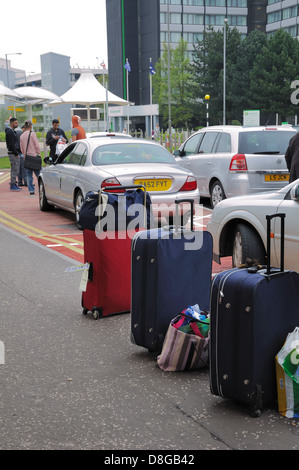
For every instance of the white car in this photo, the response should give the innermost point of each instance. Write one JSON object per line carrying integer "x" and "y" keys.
{"x": 239, "y": 227}
{"x": 121, "y": 135}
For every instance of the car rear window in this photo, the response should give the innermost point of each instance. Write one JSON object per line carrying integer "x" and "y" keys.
{"x": 130, "y": 153}
{"x": 272, "y": 142}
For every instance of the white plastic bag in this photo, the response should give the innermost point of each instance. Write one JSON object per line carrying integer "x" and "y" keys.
{"x": 60, "y": 146}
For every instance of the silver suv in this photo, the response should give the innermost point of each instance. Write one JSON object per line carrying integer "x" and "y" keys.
{"x": 233, "y": 160}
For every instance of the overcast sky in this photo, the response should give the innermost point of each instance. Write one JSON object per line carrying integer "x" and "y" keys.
{"x": 76, "y": 28}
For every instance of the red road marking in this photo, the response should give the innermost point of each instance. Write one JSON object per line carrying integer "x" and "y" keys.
{"x": 63, "y": 249}
{"x": 25, "y": 210}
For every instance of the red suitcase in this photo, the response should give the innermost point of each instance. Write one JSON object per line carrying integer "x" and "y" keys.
{"x": 108, "y": 288}
{"x": 109, "y": 285}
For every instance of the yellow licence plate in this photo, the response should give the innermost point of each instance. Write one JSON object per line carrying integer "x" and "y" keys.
{"x": 277, "y": 177}
{"x": 155, "y": 185}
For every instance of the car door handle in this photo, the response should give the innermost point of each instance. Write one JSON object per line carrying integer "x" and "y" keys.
{"x": 208, "y": 163}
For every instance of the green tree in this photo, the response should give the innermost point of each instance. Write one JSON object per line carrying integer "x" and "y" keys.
{"x": 208, "y": 64}
{"x": 160, "y": 85}
{"x": 250, "y": 47}
{"x": 274, "y": 69}
{"x": 180, "y": 76}
{"x": 4, "y": 114}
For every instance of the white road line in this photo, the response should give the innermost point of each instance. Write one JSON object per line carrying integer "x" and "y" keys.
{"x": 198, "y": 224}
{"x": 57, "y": 244}
{"x": 202, "y": 217}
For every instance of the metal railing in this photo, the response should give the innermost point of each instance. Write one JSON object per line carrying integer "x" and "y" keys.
{"x": 162, "y": 137}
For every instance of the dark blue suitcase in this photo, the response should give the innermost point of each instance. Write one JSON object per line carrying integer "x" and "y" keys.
{"x": 252, "y": 310}
{"x": 167, "y": 276}
{"x": 124, "y": 201}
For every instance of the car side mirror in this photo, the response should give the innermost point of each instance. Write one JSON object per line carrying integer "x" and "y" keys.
{"x": 295, "y": 192}
{"x": 179, "y": 153}
{"x": 48, "y": 160}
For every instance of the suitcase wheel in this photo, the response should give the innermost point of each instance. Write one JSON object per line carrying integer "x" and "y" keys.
{"x": 97, "y": 313}
{"x": 156, "y": 347}
{"x": 85, "y": 311}
{"x": 256, "y": 413}
{"x": 256, "y": 407}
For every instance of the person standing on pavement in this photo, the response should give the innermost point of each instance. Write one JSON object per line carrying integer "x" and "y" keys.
{"x": 22, "y": 174}
{"x": 292, "y": 158}
{"x": 78, "y": 131}
{"x": 30, "y": 146}
{"x": 53, "y": 136}
{"x": 14, "y": 151}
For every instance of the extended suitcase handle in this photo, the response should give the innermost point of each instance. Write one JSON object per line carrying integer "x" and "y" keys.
{"x": 135, "y": 186}
{"x": 282, "y": 220}
{"x": 179, "y": 201}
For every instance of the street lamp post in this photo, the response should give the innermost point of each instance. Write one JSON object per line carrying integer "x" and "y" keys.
{"x": 6, "y": 55}
{"x": 224, "y": 72}
{"x": 207, "y": 97}
{"x": 105, "y": 106}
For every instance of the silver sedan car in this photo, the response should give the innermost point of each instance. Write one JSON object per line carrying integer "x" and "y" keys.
{"x": 239, "y": 228}
{"x": 91, "y": 164}
{"x": 233, "y": 160}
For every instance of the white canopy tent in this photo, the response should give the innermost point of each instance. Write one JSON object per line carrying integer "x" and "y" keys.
{"x": 87, "y": 91}
{"x": 32, "y": 95}
{"x": 4, "y": 91}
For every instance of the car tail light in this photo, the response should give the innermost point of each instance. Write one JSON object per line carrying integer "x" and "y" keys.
{"x": 238, "y": 163}
{"x": 112, "y": 182}
{"x": 190, "y": 184}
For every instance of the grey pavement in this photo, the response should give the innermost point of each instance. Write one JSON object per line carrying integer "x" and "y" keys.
{"x": 70, "y": 382}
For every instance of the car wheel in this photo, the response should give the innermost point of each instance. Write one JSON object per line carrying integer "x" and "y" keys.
{"x": 43, "y": 203}
{"x": 247, "y": 245}
{"x": 217, "y": 193}
{"x": 78, "y": 204}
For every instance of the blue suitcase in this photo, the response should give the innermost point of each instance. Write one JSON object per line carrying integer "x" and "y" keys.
{"x": 171, "y": 269}
{"x": 252, "y": 310}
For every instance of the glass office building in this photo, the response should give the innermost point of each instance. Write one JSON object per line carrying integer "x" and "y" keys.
{"x": 283, "y": 14}
{"x": 137, "y": 30}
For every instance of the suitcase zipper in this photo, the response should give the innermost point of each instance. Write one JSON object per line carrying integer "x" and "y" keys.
{"x": 134, "y": 239}
{"x": 223, "y": 281}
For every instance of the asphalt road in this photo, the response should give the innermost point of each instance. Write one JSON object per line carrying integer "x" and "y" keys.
{"x": 70, "y": 382}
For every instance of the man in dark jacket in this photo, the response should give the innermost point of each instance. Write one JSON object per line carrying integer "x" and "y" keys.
{"x": 14, "y": 151}
{"x": 292, "y": 158}
{"x": 53, "y": 136}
